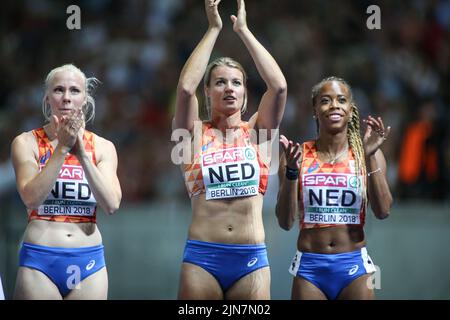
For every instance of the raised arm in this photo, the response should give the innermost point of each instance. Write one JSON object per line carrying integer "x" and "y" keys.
{"x": 271, "y": 107}
{"x": 380, "y": 197}
{"x": 287, "y": 201}
{"x": 186, "y": 111}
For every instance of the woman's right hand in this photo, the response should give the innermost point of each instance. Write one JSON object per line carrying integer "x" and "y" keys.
{"x": 292, "y": 151}
{"x": 213, "y": 13}
{"x": 66, "y": 128}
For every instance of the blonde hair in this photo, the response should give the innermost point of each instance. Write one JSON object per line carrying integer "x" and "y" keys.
{"x": 90, "y": 86}
{"x": 353, "y": 131}
{"x": 227, "y": 62}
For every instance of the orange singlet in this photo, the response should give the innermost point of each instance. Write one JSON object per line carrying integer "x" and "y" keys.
{"x": 71, "y": 199}
{"x": 330, "y": 194}
{"x": 224, "y": 170}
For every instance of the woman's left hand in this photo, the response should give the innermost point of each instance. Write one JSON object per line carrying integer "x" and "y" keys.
{"x": 239, "y": 22}
{"x": 375, "y": 135}
{"x": 78, "y": 123}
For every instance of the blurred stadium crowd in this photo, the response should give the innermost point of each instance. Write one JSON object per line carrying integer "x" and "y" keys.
{"x": 137, "y": 49}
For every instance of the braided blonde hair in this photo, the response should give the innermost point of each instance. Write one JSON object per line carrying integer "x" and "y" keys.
{"x": 353, "y": 131}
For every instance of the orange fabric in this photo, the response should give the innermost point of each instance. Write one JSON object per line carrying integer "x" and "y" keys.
{"x": 45, "y": 152}
{"x": 413, "y": 153}
{"x": 193, "y": 175}
{"x": 312, "y": 164}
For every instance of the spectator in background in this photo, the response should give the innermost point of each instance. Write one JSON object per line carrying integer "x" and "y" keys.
{"x": 420, "y": 167}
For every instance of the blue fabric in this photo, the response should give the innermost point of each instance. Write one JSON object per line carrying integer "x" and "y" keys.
{"x": 2, "y": 295}
{"x": 226, "y": 262}
{"x": 62, "y": 265}
{"x": 331, "y": 272}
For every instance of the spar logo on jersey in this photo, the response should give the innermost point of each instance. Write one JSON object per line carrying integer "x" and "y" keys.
{"x": 326, "y": 180}
{"x": 68, "y": 172}
{"x": 223, "y": 156}
{"x": 71, "y": 173}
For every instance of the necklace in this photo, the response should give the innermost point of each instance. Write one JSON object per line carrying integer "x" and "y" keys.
{"x": 336, "y": 157}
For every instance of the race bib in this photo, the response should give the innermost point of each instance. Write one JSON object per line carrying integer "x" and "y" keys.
{"x": 71, "y": 195}
{"x": 332, "y": 198}
{"x": 230, "y": 173}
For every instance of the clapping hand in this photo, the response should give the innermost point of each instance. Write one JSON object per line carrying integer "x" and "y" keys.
{"x": 292, "y": 151}
{"x": 375, "y": 135}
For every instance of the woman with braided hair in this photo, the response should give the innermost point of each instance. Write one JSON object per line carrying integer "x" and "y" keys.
{"x": 329, "y": 181}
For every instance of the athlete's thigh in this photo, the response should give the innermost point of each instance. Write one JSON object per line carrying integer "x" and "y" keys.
{"x": 302, "y": 289}
{"x": 358, "y": 289}
{"x": 253, "y": 286}
{"x": 32, "y": 284}
{"x": 94, "y": 287}
{"x": 197, "y": 283}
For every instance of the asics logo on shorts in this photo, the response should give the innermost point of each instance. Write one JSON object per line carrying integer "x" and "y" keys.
{"x": 252, "y": 262}
{"x": 353, "y": 270}
{"x": 90, "y": 265}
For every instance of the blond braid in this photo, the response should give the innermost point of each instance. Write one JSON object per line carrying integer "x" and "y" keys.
{"x": 353, "y": 133}
{"x": 355, "y": 142}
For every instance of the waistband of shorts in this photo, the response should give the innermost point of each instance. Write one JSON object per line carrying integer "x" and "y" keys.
{"x": 215, "y": 245}
{"x": 60, "y": 250}
{"x": 356, "y": 253}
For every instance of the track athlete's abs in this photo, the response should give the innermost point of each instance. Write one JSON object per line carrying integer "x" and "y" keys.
{"x": 62, "y": 234}
{"x": 227, "y": 221}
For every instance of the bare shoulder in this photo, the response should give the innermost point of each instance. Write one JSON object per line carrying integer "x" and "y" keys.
{"x": 24, "y": 141}
{"x": 24, "y": 149}
{"x": 104, "y": 147}
{"x": 24, "y": 137}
